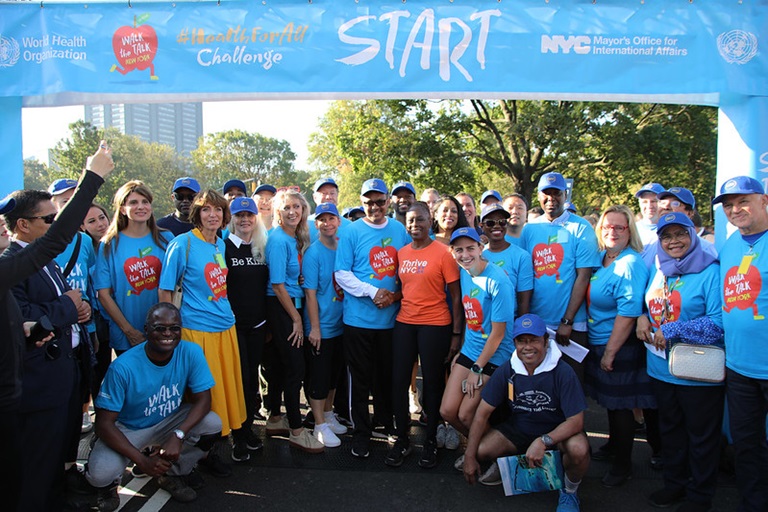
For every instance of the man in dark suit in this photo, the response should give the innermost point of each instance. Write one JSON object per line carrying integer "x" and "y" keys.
{"x": 49, "y": 416}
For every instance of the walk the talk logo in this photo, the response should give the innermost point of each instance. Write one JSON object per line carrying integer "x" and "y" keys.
{"x": 135, "y": 47}
{"x": 737, "y": 46}
{"x": 9, "y": 52}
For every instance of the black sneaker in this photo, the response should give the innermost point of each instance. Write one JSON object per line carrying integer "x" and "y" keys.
{"x": 616, "y": 478}
{"x": 76, "y": 482}
{"x": 177, "y": 488}
{"x": 213, "y": 465}
{"x": 665, "y": 497}
{"x": 137, "y": 472}
{"x": 428, "y": 459}
{"x": 240, "y": 452}
{"x": 604, "y": 453}
{"x": 107, "y": 498}
{"x": 360, "y": 448}
{"x": 195, "y": 480}
{"x": 253, "y": 442}
{"x": 398, "y": 453}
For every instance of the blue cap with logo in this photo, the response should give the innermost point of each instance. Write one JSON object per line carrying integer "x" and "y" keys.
{"x": 490, "y": 208}
{"x": 265, "y": 188}
{"x": 243, "y": 204}
{"x": 7, "y": 204}
{"x": 529, "y": 324}
{"x": 234, "y": 183}
{"x": 654, "y": 188}
{"x": 673, "y": 218}
{"x": 465, "y": 232}
{"x": 569, "y": 206}
{"x": 350, "y": 209}
{"x": 324, "y": 181}
{"x": 681, "y": 194}
{"x": 739, "y": 185}
{"x": 326, "y": 208}
{"x": 552, "y": 180}
{"x": 187, "y": 182}
{"x": 61, "y": 185}
{"x": 403, "y": 184}
{"x": 374, "y": 185}
{"x": 490, "y": 193}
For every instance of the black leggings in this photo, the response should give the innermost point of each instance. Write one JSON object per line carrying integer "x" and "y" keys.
{"x": 431, "y": 344}
{"x": 250, "y": 341}
{"x": 324, "y": 367}
{"x": 291, "y": 360}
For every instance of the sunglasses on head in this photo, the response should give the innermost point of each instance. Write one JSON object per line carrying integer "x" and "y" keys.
{"x": 48, "y": 219}
{"x": 491, "y": 223}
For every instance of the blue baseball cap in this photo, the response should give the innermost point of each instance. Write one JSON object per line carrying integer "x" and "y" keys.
{"x": 234, "y": 183}
{"x": 552, "y": 180}
{"x": 187, "y": 182}
{"x": 490, "y": 193}
{"x": 739, "y": 185}
{"x": 7, "y": 204}
{"x": 466, "y": 232}
{"x": 569, "y": 206}
{"x": 374, "y": 185}
{"x": 489, "y": 209}
{"x": 403, "y": 184}
{"x": 324, "y": 181}
{"x": 673, "y": 218}
{"x": 348, "y": 210}
{"x": 681, "y": 194}
{"x": 326, "y": 208}
{"x": 243, "y": 204}
{"x": 529, "y": 324}
{"x": 61, "y": 185}
{"x": 265, "y": 187}
{"x": 654, "y": 188}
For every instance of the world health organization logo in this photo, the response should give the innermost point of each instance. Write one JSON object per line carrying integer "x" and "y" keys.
{"x": 9, "y": 52}
{"x": 737, "y": 46}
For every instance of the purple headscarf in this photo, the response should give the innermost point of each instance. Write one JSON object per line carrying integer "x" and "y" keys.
{"x": 695, "y": 260}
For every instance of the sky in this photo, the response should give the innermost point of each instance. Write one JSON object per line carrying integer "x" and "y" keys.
{"x": 290, "y": 120}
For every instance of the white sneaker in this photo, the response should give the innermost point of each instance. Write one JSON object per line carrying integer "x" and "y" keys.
{"x": 325, "y": 435}
{"x": 87, "y": 425}
{"x": 458, "y": 465}
{"x": 452, "y": 439}
{"x": 336, "y": 427}
{"x": 414, "y": 401}
{"x": 492, "y": 476}
{"x": 440, "y": 437}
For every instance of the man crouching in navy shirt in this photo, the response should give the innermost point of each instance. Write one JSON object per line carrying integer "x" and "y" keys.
{"x": 140, "y": 415}
{"x": 546, "y": 412}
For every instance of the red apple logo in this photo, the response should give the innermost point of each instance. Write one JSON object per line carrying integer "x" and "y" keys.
{"x": 142, "y": 272}
{"x": 383, "y": 259}
{"x": 216, "y": 277}
{"x": 547, "y": 259}
{"x": 740, "y": 291}
{"x": 338, "y": 289}
{"x": 656, "y": 306}
{"x": 473, "y": 312}
{"x": 135, "y": 47}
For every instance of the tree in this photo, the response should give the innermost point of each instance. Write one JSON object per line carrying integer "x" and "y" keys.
{"x": 37, "y": 175}
{"x": 246, "y": 156}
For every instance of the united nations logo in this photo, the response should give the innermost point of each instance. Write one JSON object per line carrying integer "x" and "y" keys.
{"x": 737, "y": 46}
{"x": 9, "y": 52}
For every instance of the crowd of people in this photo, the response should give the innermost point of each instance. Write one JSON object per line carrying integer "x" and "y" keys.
{"x": 183, "y": 330}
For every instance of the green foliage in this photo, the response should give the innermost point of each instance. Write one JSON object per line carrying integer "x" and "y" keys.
{"x": 37, "y": 175}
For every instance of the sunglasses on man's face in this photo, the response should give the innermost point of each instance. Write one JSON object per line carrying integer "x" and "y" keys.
{"x": 48, "y": 219}
{"x": 184, "y": 197}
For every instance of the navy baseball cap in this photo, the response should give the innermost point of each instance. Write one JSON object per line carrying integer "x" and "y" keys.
{"x": 62, "y": 185}
{"x": 739, "y": 185}
{"x": 673, "y": 218}
{"x": 654, "y": 188}
{"x": 347, "y": 211}
{"x": 529, "y": 324}
{"x": 7, "y": 204}
{"x": 326, "y": 208}
{"x": 493, "y": 207}
{"x": 403, "y": 184}
{"x": 569, "y": 206}
{"x": 187, "y": 182}
{"x": 466, "y": 232}
{"x": 681, "y": 194}
{"x": 552, "y": 180}
{"x": 234, "y": 183}
{"x": 490, "y": 193}
{"x": 324, "y": 181}
{"x": 243, "y": 204}
{"x": 374, "y": 185}
{"x": 265, "y": 187}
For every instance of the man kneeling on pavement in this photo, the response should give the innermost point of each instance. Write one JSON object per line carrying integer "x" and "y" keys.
{"x": 546, "y": 405}
{"x": 154, "y": 408}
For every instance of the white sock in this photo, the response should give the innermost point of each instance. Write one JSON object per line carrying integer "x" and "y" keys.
{"x": 571, "y": 487}
{"x": 329, "y": 416}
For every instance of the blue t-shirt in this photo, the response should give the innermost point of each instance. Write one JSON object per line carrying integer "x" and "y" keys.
{"x": 743, "y": 271}
{"x": 143, "y": 393}
{"x": 615, "y": 290}
{"x": 370, "y": 253}
{"x": 284, "y": 263}
{"x": 314, "y": 234}
{"x": 516, "y": 263}
{"x": 318, "y": 276}
{"x": 487, "y": 298}
{"x": 540, "y": 402}
{"x": 558, "y": 248}
{"x": 205, "y": 305}
{"x": 691, "y": 296}
{"x": 132, "y": 271}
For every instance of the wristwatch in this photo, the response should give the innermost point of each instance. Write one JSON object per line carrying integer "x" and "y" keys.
{"x": 179, "y": 434}
{"x": 476, "y": 369}
{"x": 565, "y": 321}
{"x": 548, "y": 441}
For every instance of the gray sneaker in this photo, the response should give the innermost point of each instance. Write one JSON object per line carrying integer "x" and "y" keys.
{"x": 440, "y": 437}
{"x": 492, "y": 476}
{"x": 452, "y": 439}
{"x": 177, "y": 488}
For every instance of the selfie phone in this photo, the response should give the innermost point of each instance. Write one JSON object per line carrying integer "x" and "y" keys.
{"x": 42, "y": 328}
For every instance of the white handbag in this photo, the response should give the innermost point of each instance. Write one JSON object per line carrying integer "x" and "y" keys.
{"x": 703, "y": 363}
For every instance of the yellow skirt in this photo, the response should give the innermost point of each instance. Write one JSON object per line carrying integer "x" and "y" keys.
{"x": 223, "y": 356}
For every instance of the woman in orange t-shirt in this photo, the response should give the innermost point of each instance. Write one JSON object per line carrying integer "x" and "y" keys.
{"x": 423, "y": 329}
